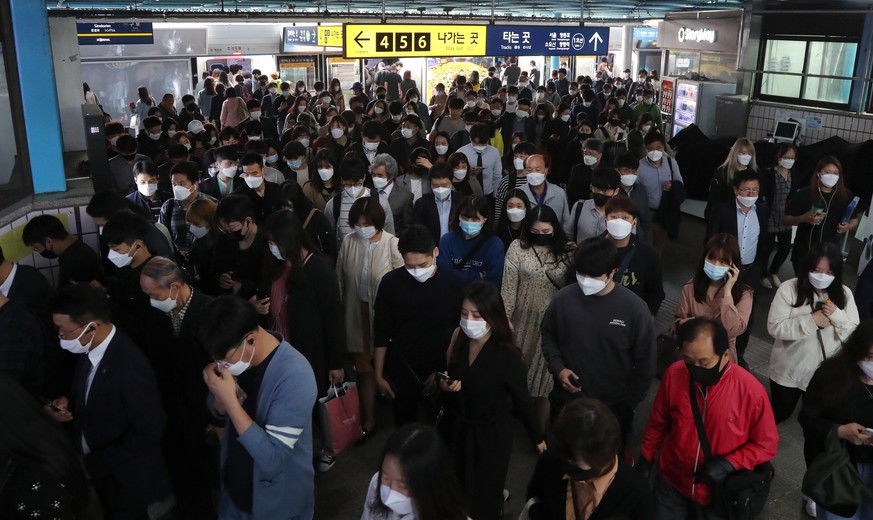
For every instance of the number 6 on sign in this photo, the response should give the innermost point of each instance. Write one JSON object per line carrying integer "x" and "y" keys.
{"x": 422, "y": 41}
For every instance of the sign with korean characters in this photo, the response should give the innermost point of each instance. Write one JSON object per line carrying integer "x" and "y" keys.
{"x": 541, "y": 40}
{"x": 406, "y": 41}
{"x": 90, "y": 33}
{"x": 330, "y": 35}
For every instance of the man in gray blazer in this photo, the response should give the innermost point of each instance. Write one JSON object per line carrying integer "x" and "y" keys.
{"x": 383, "y": 169}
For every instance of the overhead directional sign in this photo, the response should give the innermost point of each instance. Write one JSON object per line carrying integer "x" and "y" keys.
{"x": 538, "y": 40}
{"x": 404, "y": 41}
{"x": 330, "y": 35}
{"x": 91, "y": 33}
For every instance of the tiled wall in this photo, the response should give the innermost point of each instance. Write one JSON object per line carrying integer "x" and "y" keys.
{"x": 78, "y": 223}
{"x": 852, "y": 128}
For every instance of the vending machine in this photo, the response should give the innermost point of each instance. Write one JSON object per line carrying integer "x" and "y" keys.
{"x": 694, "y": 102}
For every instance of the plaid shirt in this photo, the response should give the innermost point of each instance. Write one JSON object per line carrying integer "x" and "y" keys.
{"x": 173, "y": 216}
{"x": 781, "y": 188}
{"x": 178, "y": 317}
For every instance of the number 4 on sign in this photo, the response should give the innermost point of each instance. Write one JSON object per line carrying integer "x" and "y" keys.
{"x": 595, "y": 39}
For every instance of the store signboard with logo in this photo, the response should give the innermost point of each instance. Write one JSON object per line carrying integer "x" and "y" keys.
{"x": 704, "y": 35}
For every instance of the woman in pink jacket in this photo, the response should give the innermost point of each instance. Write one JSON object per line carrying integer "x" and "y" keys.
{"x": 233, "y": 110}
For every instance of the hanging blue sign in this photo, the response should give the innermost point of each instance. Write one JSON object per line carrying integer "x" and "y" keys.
{"x": 298, "y": 36}
{"x": 539, "y": 40}
{"x": 100, "y": 33}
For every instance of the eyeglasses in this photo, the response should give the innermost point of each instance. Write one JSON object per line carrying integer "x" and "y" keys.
{"x": 63, "y": 334}
{"x": 748, "y": 191}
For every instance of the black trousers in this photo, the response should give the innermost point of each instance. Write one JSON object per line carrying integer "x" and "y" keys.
{"x": 783, "y": 249}
{"x": 752, "y": 277}
{"x": 783, "y": 400}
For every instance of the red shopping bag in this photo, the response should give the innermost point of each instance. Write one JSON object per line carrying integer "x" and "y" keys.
{"x": 340, "y": 417}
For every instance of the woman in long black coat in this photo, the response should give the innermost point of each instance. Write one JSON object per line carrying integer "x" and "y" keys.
{"x": 486, "y": 380}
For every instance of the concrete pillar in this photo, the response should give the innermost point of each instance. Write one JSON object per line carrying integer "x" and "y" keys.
{"x": 42, "y": 122}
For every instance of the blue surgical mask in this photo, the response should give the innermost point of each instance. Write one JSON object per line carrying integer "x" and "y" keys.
{"x": 295, "y": 164}
{"x": 716, "y": 273}
{"x": 471, "y": 228}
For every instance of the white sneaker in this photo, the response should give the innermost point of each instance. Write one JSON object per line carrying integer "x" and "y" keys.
{"x": 765, "y": 283}
{"x": 776, "y": 284}
{"x": 809, "y": 507}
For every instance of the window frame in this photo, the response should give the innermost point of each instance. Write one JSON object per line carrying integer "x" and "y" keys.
{"x": 20, "y": 188}
{"x": 800, "y": 100}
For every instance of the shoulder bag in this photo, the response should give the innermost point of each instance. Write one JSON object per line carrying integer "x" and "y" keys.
{"x": 833, "y": 482}
{"x": 742, "y": 495}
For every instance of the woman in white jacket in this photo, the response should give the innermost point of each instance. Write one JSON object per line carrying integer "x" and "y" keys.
{"x": 810, "y": 317}
{"x": 366, "y": 255}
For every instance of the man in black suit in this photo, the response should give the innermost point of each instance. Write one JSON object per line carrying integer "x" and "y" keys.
{"x": 114, "y": 406}
{"x": 745, "y": 218}
{"x": 190, "y": 460}
{"x": 434, "y": 209}
{"x": 384, "y": 169}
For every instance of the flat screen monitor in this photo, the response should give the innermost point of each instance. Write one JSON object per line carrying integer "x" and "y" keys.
{"x": 786, "y": 130}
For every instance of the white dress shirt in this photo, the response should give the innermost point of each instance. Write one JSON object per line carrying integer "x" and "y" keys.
{"x": 748, "y": 233}
{"x": 7, "y": 284}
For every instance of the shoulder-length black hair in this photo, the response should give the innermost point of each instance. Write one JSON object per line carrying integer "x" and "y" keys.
{"x": 842, "y": 372}
{"x": 514, "y": 193}
{"x": 286, "y": 231}
{"x": 805, "y": 290}
{"x": 429, "y": 474}
{"x": 558, "y": 243}
{"x": 724, "y": 248}
{"x": 489, "y": 303}
{"x": 839, "y": 194}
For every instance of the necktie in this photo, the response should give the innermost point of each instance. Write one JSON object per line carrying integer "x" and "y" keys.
{"x": 382, "y": 193}
{"x": 479, "y": 160}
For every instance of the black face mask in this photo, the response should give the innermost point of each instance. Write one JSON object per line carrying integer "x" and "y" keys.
{"x": 706, "y": 376}
{"x": 128, "y": 157}
{"x": 584, "y": 136}
{"x": 358, "y": 109}
{"x": 600, "y": 199}
{"x": 576, "y": 473}
{"x": 540, "y": 240}
{"x": 238, "y": 235}
{"x": 615, "y": 122}
{"x": 380, "y": 96}
{"x": 50, "y": 255}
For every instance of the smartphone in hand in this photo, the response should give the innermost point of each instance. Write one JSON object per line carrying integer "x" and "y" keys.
{"x": 445, "y": 378}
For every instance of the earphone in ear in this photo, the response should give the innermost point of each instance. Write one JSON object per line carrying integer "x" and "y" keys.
{"x": 251, "y": 341}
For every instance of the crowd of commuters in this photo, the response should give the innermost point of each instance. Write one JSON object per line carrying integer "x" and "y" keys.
{"x": 463, "y": 260}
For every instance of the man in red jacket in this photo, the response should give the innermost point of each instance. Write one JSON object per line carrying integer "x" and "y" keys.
{"x": 737, "y": 418}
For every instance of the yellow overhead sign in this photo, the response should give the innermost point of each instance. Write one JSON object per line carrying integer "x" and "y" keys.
{"x": 404, "y": 41}
{"x": 330, "y": 35}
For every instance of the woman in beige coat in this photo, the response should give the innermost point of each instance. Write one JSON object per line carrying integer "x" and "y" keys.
{"x": 366, "y": 255}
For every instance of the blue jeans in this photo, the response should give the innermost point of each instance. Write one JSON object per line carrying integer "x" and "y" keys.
{"x": 864, "y": 511}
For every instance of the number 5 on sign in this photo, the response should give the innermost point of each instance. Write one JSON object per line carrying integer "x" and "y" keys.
{"x": 406, "y": 41}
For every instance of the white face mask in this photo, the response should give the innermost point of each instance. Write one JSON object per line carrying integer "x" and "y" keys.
{"x": 628, "y": 180}
{"x": 535, "y": 178}
{"x": 380, "y": 182}
{"x": 589, "y": 160}
{"x": 521, "y": 114}
{"x": 587, "y": 104}
{"x": 255, "y": 115}
{"x": 866, "y": 367}
{"x": 396, "y": 117}
{"x": 565, "y": 117}
{"x": 171, "y": 133}
{"x": 164, "y": 305}
{"x": 73, "y": 346}
{"x": 829, "y": 180}
{"x": 155, "y": 136}
{"x": 518, "y": 162}
{"x": 254, "y": 138}
{"x": 460, "y": 174}
{"x": 413, "y": 100}
{"x": 744, "y": 159}
{"x": 422, "y": 274}
{"x": 187, "y": 146}
{"x": 495, "y": 112}
{"x": 441, "y": 149}
{"x": 198, "y": 231}
{"x": 406, "y": 133}
{"x": 441, "y": 193}
{"x": 618, "y": 228}
{"x": 181, "y": 192}
{"x": 747, "y": 201}
{"x": 212, "y": 140}
{"x": 474, "y": 329}
{"x": 620, "y": 102}
{"x": 254, "y": 182}
{"x": 655, "y": 155}
{"x": 395, "y": 501}
{"x": 365, "y": 232}
{"x": 241, "y": 366}
{"x": 589, "y": 285}
{"x": 515, "y": 214}
{"x": 479, "y": 147}
{"x": 113, "y": 140}
{"x": 645, "y": 129}
{"x": 229, "y": 172}
{"x": 277, "y": 254}
{"x": 511, "y": 98}
{"x": 301, "y": 109}
{"x": 336, "y": 133}
{"x": 326, "y": 174}
{"x": 787, "y": 163}
{"x": 572, "y": 92}
{"x": 471, "y": 103}
{"x": 147, "y": 190}
{"x": 371, "y": 147}
{"x": 354, "y": 191}
{"x": 120, "y": 260}
{"x": 304, "y": 141}
{"x": 821, "y": 281}
{"x": 378, "y": 110}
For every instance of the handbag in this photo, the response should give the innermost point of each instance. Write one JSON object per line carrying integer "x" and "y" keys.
{"x": 340, "y": 419}
{"x": 833, "y": 482}
{"x": 743, "y": 493}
